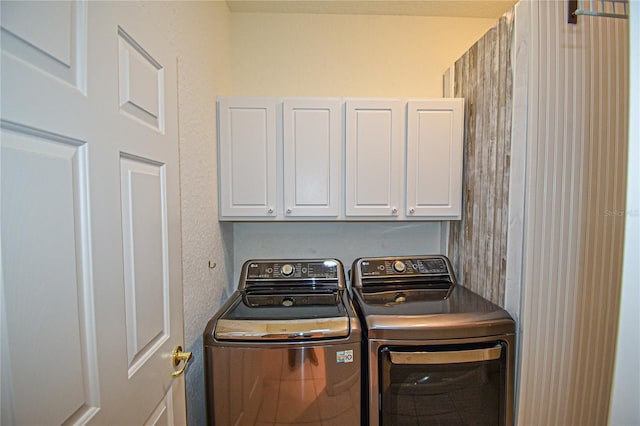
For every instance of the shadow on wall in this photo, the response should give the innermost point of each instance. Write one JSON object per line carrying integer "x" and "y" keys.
{"x": 195, "y": 393}
{"x": 220, "y": 290}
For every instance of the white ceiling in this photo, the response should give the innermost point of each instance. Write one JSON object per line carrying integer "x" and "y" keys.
{"x": 453, "y": 8}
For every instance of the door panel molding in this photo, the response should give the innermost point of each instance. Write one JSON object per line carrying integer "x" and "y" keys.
{"x": 51, "y": 36}
{"x": 145, "y": 243}
{"x": 163, "y": 414}
{"x": 47, "y": 166}
{"x": 141, "y": 82}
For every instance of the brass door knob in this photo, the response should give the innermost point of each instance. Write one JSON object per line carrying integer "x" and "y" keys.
{"x": 178, "y": 356}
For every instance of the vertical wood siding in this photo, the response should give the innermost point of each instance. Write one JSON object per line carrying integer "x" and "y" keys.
{"x": 477, "y": 243}
{"x": 574, "y": 215}
{"x": 574, "y": 210}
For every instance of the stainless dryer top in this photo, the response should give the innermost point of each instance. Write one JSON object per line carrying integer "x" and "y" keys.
{"x": 417, "y": 298}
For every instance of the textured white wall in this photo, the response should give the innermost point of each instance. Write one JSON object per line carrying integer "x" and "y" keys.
{"x": 203, "y": 74}
{"x": 200, "y": 32}
{"x": 347, "y": 55}
{"x": 341, "y": 240}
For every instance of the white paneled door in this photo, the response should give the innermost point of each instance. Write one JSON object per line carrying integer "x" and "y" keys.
{"x": 91, "y": 306}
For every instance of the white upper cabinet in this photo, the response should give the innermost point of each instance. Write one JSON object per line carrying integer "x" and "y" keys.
{"x": 434, "y": 158}
{"x": 340, "y": 159}
{"x": 374, "y": 158}
{"x": 312, "y": 151}
{"x": 247, "y": 157}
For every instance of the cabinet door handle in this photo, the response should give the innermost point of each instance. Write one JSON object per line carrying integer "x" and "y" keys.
{"x": 270, "y": 211}
{"x": 394, "y": 211}
{"x": 289, "y": 210}
{"x": 412, "y": 210}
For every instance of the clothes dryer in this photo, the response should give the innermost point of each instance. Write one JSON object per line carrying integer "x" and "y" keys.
{"x": 437, "y": 353}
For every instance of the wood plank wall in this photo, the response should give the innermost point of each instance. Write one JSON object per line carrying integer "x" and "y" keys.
{"x": 478, "y": 243}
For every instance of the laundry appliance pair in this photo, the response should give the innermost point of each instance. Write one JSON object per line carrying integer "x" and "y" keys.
{"x": 404, "y": 344}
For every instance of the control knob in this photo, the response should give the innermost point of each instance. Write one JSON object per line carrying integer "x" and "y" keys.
{"x": 286, "y": 270}
{"x": 399, "y": 266}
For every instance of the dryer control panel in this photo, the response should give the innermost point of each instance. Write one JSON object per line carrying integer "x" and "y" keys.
{"x": 402, "y": 270}
{"x": 402, "y": 266}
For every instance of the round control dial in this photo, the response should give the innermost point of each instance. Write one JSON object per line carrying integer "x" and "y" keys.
{"x": 287, "y": 301}
{"x": 286, "y": 270}
{"x": 399, "y": 266}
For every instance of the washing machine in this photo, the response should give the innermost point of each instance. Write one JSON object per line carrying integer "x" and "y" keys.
{"x": 285, "y": 348}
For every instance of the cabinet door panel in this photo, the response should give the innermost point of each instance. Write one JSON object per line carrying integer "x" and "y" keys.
{"x": 247, "y": 157}
{"x": 434, "y": 158}
{"x": 374, "y": 157}
{"x": 312, "y": 137}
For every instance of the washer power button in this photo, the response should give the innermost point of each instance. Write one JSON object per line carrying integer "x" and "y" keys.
{"x": 399, "y": 266}
{"x": 286, "y": 270}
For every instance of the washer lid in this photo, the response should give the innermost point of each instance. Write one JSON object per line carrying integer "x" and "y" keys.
{"x": 299, "y": 329}
{"x": 284, "y": 316}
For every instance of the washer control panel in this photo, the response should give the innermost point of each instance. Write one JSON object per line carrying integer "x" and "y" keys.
{"x": 388, "y": 267}
{"x": 295, "y": 270}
